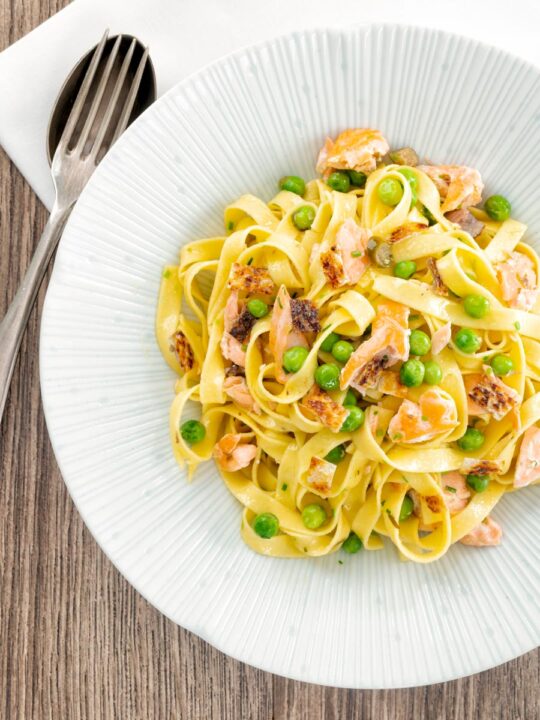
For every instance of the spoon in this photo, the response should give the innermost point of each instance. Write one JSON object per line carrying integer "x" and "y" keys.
{"x": 108, "y": 88}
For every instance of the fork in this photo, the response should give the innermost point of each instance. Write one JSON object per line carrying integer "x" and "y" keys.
{"x": 74, "y": 161}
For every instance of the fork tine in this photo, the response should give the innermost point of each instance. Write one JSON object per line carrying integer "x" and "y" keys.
{"x": 112, "y": 105}
{"x": 99, "y": 95}
{"x": 130, "y": 100}
{"x": 75, "y": 113}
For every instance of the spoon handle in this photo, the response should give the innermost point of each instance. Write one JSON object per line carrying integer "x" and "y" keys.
{"x": 14, "y": 322}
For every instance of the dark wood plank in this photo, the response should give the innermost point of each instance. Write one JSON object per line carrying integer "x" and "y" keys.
{"x": 76, "y": 641}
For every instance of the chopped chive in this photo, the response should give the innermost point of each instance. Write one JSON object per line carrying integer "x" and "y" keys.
{"x": 230, "y": 225}
{"x": 340, "y": 562}
{"x": 284, "y": 487}
{"x": 280, "y": 303}
{"x": 517, "y": 325}
{"x": 383, "y": 503}
{"x": 380, "y": 432}
{"x": 325, "y": 328}
{"x": 424, "y": 418}
{"x": 450, "y": 489}
{"x": 357, "y": 253}
{"x": 398, "y": 436}
{"x": 166, "y": 274}
{"x": 244, "y": 347}
{"x": 414, "y": 317}
{"x": 250, "y": 261}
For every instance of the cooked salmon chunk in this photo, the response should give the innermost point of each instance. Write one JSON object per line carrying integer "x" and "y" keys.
{"x": 389, "y": 343}
{"x": 519, "y": 283}
{"x": 282, "y": 333}
{"x": 528, "y": 462}
{"x": 183, "y": 351}
{"x": 459, "y": 186}
{"x": 357, "y": 149}
{"x": 489, "y": 394}
{"x": 455, "y": 491}
{"x": 320, "y": 474}
{"x": 232, "y": 454}
{"x": 251, "y": 280}
{"x": 483, "y": 535}
{"x": 434, "y": 413}
{"x": 236, "y": 388}
{"x": 320, "y": 405}
{"x": 347, "y": 259}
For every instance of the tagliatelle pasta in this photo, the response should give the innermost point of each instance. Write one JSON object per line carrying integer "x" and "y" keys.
{"x": 361, "y": 364}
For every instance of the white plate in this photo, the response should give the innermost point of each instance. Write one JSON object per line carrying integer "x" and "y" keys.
{"x": 235, "y": 127}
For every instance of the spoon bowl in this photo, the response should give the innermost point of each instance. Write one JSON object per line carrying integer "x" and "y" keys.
{"x": 68, "y": 92}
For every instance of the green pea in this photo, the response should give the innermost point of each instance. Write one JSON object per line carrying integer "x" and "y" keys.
{"x": 342, "y": 350}
{"x": 407, "y": 506}
{"x": 354, "y": 420}
{"x": 257, "y": 308}
{"x": 390, "y": 191}
{"x": 327, "y": 377}
{"x": 266, "y": 525}
{"x": 405, "y": 269}
{"x": 498, "y": 207}
{"x": 412, "y": 373}
{"x": 339, "y": 181}
{"x": 478, "y": 483}
{"x": 358, "y": 179}
{"x": 294, "y": 358}
{"x": 336, "y": 454}
{"x": 350, "y": 398}
{"x": 352, "y": 544}
{"x": 467, "y": 341}
{"x": 313, "y": 516}
{"x": 473, "y": 439}
{"x": 502, "y": 365}
{"x": 293, "y": 184}
{"x": 193, "y": 431}
{"x": 420, "y": 343}
{"x": 412, "y": 179}
{"x": 477, "y": 306}
{"x": 433, "y": 372}
{"x": 329, "y": 342}
{"x": 303, "y": 217}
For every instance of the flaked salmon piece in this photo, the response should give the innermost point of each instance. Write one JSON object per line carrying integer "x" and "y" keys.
{"x": 474, "y": 466}
{"x": 327, "y": 411}
{"x": 455, "y": 491}
{"x": 355, "y": 149}
{"x": 183, "y": 351}
{"x": 389, "y": 384}
{"x": 438, "y": 284}
{"x": 320, "y": 474}
{"x": 519, "y": 283}
{"x": 489, "y": 394}
{"x": 236, "y": 388}
{"x": 466, "y": 221}
{"x": 485, "y": 534}
{"x": 434, "y": 413}
{"x": 406, "y": 230}
{"x": 251, "y": 280}
{"x": 347, "y": 259}
{"x": 441, "y": 338}
{"x": 231, "y": 348}
{"x": 305, "y": 316}
{"x": 282, "y": 333}
{"x": 232, "y": 454}
{"x": 528, "y": 462}
{"x": 459, "y": 186}
{"x": 389, "y": 343}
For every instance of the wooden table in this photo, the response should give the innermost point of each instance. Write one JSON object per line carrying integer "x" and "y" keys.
{"x": 76, "y": 641}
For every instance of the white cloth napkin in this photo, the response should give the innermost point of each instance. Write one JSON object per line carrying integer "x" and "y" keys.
{"x": 184, "y": 35}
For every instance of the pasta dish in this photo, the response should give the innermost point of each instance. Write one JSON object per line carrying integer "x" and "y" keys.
{"x": 360, "y": 356}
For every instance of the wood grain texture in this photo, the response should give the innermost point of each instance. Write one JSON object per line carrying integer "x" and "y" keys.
{"x": 76, "y": 641}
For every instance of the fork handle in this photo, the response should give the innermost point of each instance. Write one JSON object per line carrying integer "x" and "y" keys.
{"x": 15, "y": 320}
